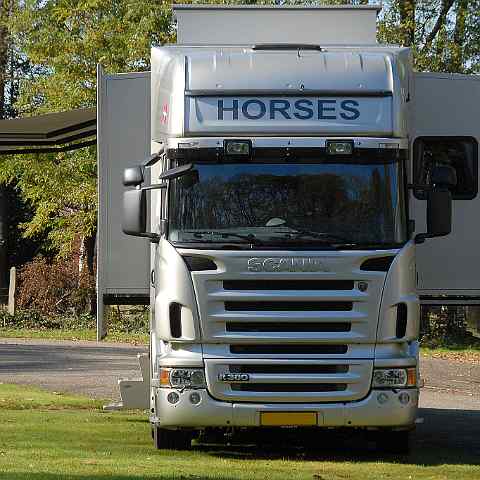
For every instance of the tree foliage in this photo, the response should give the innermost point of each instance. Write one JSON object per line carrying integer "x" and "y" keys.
{"x": 70, "y": 37}
{"x": 444, "y": 34}
{"x": 55, "y": 46}
{"x": 65, "y": 40}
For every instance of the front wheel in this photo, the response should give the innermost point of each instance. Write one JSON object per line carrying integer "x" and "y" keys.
{"x": 171, "y": 439}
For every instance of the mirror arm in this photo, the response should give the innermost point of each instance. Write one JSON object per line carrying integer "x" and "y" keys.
{"x": 421, "y": 237}
{"x": 176, "y": 172}
{"x": 154, "y": 237}
{"x": 156, "y": 187}
{"x": 154, "y": 158}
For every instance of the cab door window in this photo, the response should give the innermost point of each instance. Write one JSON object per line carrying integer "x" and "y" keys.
{"x": 461, "y": 153}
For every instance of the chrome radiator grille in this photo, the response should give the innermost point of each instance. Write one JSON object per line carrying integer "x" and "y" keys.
{"x": 289, "y": 380}
{"x": 286, "y": 311}
{"x": 298, "y": 336}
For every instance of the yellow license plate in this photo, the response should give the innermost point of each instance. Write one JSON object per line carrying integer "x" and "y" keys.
{"x": 284, "y": 419}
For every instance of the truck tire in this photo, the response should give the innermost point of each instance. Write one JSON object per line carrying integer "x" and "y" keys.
{"x": 171, "y": 439}
{"x": 394, "y": 441}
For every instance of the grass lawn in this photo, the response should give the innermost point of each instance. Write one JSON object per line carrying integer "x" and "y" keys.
{"x": 44, "y": 436}
{"x": 77, "y": 334}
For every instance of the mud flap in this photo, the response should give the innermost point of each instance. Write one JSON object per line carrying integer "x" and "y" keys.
{"x": 134, "y": 393}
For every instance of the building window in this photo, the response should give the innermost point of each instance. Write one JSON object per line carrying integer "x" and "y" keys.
{"x": 461, "y": 153}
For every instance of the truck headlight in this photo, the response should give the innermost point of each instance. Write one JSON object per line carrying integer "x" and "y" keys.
{"x": 394, "y": 377}
{"x": 182, "y": 377}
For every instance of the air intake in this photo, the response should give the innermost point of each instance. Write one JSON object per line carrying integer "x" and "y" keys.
{"x": 377, "y": 264}
{"x": 288, "y": 285}
{"x": 288, "y": 327}
{"x": 199, "y": 264}
{"x": 295, "y": 369}
{"x": 402, "y": 318}
{"x": 282, "y": 306}
{"x": 288, "y": 387}
{"x": 175, "y": 320}
{"x": 288, "y": 349}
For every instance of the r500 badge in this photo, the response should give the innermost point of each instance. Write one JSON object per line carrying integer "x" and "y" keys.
{"x": 234, "y": 377}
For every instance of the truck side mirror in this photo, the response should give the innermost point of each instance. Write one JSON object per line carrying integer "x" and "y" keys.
{"x": 132, "y": 176}
{"x": 439, "y": 203}
{"x": 443, "y": 176}
{"x": 134, "y": 212}
{"x": 134, "y": 220}
{"x": 439, "y": 212}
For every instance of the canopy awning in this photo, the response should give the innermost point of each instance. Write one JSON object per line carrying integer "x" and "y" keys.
{"x": 52, "y": 132}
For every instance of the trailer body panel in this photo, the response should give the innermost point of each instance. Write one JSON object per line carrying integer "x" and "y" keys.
{"x": 444, "y": 118}
{"x": 123, "y": 140}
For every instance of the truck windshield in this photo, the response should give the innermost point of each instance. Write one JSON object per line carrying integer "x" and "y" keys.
{"x": 327, "y": 201}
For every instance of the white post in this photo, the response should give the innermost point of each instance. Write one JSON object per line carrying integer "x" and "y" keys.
{"x": 11, "y": 291}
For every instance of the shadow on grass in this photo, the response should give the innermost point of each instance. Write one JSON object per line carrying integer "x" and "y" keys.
{"x": 136, "y": 419}
{"x": 88, "y": 476}
{"x": 445, "y": 437}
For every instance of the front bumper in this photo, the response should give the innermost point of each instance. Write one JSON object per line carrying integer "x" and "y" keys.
{"x": 368, "y": 412}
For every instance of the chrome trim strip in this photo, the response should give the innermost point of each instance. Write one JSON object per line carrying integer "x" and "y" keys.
{"x": 288, "y": 93}
{"x": 285, "y": 142}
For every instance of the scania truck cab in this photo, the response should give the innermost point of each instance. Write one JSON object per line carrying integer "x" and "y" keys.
{"x": 283, "y": 274}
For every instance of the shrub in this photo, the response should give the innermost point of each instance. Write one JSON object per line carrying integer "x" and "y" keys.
{"x": 128, "y": 320}
{"x": 54, "y": 288}
{"x": 33, "y": 319}
{"x": 445, "y": 326}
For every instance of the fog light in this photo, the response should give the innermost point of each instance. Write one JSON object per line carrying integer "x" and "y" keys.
{"x": 382, "y": 398}
{"x": 404, "y": 398}
{"x": 195, "y": 398}
{"x": 173, "y": 397}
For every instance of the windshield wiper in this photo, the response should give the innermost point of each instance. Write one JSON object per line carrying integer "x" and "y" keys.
{"x": 301, "y": 242}
{"x": 326, "y": 237}
{"x": 366, "y": 245}
{"x": 250, "y": 238}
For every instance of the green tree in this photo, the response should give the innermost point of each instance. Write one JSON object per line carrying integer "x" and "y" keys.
{"x": 444, "y": 34}
{"x": 65, "y": 39}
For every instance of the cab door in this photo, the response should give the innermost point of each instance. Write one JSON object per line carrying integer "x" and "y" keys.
{"x": 445, "y": 130}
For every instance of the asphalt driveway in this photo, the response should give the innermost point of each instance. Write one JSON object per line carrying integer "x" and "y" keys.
{"x": 93, "y": 368}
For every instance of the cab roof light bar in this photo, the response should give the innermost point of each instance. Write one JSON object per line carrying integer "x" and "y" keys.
{"x": 237, "y": 147}
{"x": 339, "y": 147}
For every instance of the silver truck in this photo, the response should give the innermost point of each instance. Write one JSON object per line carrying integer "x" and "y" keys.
{"x": 285, "y": 212}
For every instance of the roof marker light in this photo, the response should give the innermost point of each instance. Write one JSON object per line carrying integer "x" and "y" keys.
{"x": 342, "y": 147}
{"x": 237, "y": 147}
